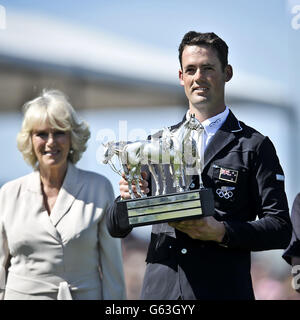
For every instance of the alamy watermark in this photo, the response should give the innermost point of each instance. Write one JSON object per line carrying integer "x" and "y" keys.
{"x": 296, "y": 277}
{"x": 295, "y": 22}
{"x": 2, "y": 18}
{"x": 155, "y": 150}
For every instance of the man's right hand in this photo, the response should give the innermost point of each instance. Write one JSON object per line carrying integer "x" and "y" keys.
{"x": 124, "y": 189}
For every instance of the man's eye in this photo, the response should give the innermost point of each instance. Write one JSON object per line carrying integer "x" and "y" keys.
{"x": 190, "y": 70}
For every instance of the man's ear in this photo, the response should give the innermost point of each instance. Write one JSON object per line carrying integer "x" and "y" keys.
{"x": 228, "y": 73}
{"x": 180, "y": 75}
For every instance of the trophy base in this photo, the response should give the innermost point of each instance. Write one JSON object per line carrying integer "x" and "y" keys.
{"x": 171, "y": 207}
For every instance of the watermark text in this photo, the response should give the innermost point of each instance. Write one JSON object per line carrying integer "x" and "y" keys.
{"x": 295, "y": 22}
{"x": 296, "y": 277}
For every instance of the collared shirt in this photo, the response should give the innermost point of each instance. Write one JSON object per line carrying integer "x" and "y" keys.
{"x": 211, "y": 126}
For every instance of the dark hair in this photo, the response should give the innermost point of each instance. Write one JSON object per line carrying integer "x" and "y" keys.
{"x": 209, "y": 39}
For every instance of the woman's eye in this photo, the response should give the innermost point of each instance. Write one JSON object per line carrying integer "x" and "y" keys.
{"x": 41, "y": 134}
{"x": 59, "y": 133}
{"x": 45, "y": 135}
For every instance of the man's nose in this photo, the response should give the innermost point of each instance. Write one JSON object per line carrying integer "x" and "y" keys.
{"x": 198, "y": 74}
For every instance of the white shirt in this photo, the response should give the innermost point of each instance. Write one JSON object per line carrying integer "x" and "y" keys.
{"x": 211, "y": 126}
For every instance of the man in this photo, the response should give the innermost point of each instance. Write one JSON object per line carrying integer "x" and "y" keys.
{"x": 292, "y": 253}
{"x": 209, "y": 258}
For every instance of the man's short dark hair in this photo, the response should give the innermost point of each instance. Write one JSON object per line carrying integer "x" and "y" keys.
{"x": 210, "y": 39}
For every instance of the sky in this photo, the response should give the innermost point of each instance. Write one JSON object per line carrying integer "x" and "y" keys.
{"x": 256, "y": 31}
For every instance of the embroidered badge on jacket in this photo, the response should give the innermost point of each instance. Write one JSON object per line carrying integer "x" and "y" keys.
{"x": 228, "y": 175}
{"x": 225, "y": 192}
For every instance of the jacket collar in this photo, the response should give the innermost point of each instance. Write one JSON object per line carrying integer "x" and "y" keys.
{"x": 67, "y": 194}
{"x": 70, "y": 188}
{"x": 222, "y": 137}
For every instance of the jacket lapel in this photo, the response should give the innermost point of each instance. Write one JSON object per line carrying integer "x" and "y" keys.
{"x": 176, "y": 126}
{"x": 67, "y": 194}
{"x": 37, "y": 204}
{"x": 222, "y": 137}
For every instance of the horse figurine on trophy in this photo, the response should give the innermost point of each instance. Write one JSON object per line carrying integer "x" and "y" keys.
{"x": 183, "y": 151}
{"x": 126, "y": 155}
{"x": 171, "y": 150}
{"x": 170, "y": 146}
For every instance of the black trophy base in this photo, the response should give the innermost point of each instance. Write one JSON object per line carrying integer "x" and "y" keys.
{"x": 171, "y": 207}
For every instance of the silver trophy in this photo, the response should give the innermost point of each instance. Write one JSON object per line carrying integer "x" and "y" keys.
{"x": 174, "y": 154}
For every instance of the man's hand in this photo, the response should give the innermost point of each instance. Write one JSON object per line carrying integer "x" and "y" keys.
{"x": 207, "y": 228}
{"x": 124, "y": 189}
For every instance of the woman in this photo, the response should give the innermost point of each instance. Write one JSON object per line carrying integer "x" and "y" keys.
{"x": 52, "y": 221}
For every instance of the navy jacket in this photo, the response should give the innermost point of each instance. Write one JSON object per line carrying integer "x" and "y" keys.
{"x": 256, "y": 216}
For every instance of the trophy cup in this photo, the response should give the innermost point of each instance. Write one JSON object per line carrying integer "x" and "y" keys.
{"x": 174, "y": 154}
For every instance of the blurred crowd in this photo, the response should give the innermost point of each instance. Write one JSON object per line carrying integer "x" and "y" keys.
{"x": 271, "y": 286}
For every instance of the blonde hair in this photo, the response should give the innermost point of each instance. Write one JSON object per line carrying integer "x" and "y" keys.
{"x": 52, "y": 106}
